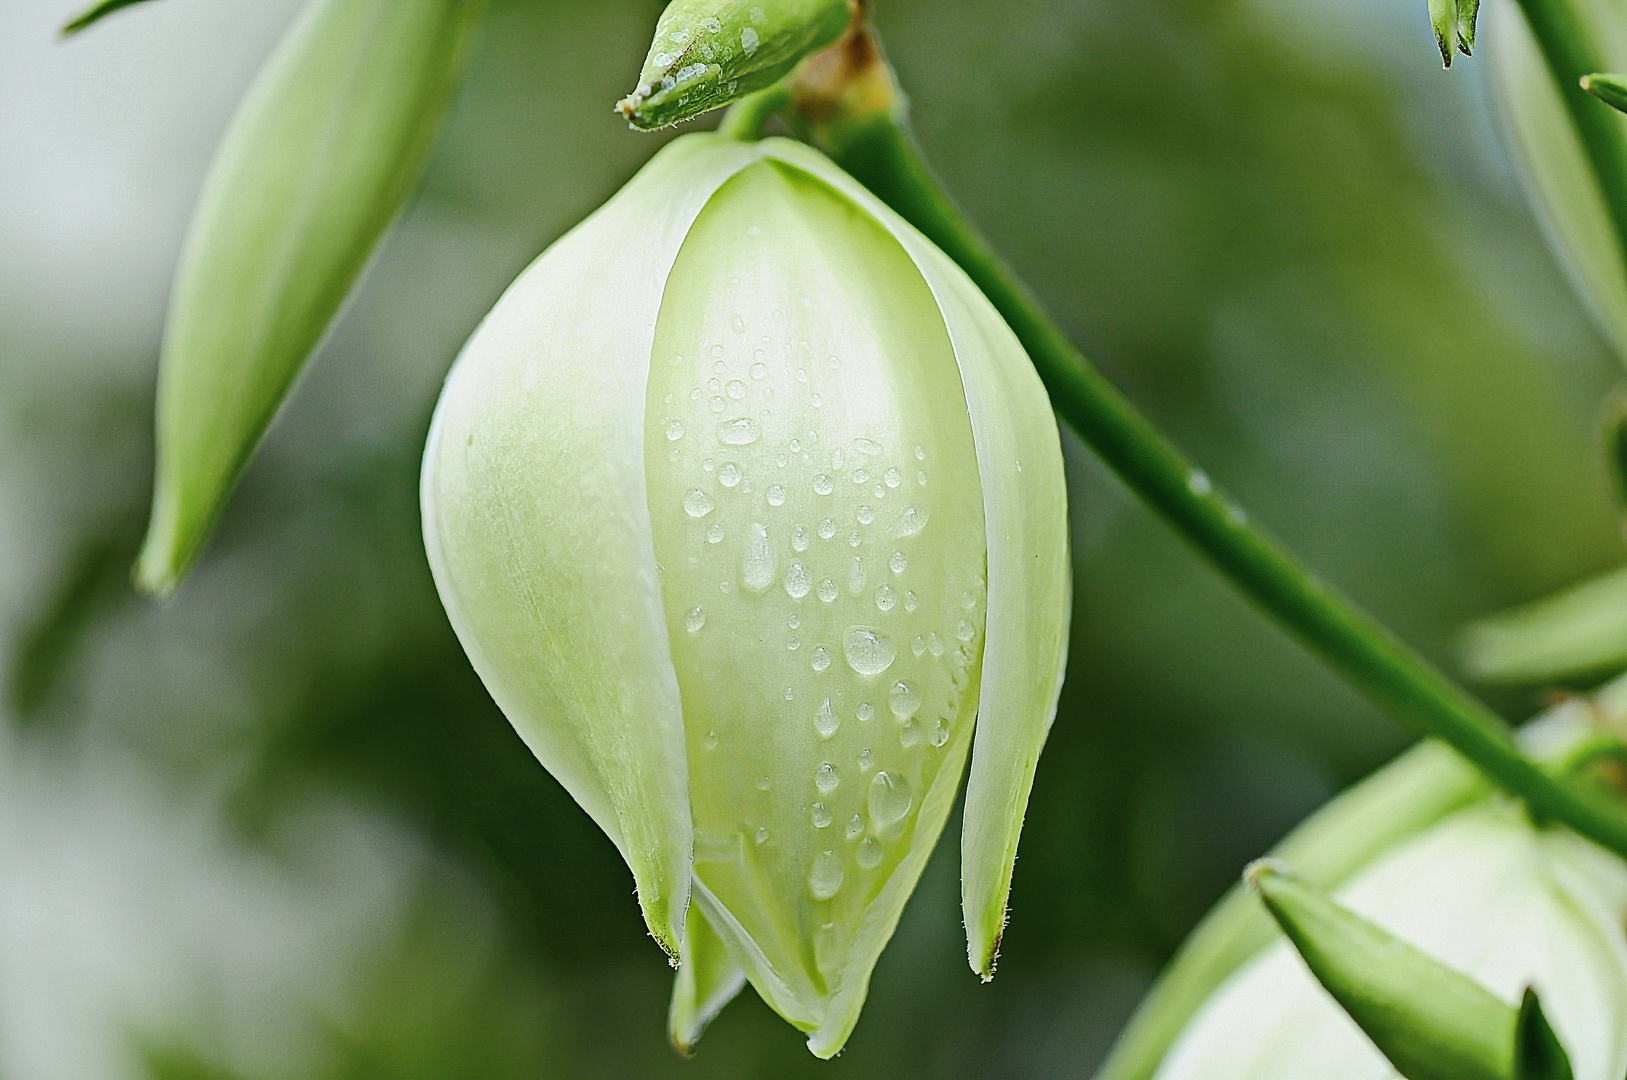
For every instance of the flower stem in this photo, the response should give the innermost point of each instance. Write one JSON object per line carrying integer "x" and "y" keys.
{"x": 1568, "y": 48}
{"x": 746, "y": 118}
{"x": 881, "y": 153}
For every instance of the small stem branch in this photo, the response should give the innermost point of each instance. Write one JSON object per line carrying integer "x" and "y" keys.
{"x": 746, "y": 118}
{"x": 880, "y": 152}
{"x": 1566, "y": 46}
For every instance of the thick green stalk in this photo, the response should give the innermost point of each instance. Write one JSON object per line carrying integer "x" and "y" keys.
{"x": 1568, "y": 48}
{"x": 882, "y": 154}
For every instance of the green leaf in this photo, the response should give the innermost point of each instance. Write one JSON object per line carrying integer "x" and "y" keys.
{"x": 707, "y": 53}
{"x": 1610, "y": 89}
{"x": 1538, "y": 1054}
{"x": 95, "y": 14}
{"x": 321, "y": 156}
{"x": 1454, "y": 24}
{"x": 1431, "y": 1022}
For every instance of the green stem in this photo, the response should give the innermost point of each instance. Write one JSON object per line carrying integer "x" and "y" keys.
{"x": 747, "y": 117}
{"x": 881, "y": 153}
{"x": 1567, "y": 47}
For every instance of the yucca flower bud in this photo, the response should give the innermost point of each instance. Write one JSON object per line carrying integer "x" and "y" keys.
{"x": 1485, "y": 894}
{"x": 747, "y": 508}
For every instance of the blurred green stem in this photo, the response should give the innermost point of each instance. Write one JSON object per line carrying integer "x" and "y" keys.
{"x": 1568, "y": 49}
{"x": 747, "y": 117}
{"x": 877, "y": 148}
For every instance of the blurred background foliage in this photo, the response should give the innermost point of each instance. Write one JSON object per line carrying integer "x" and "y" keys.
{"x": 276, "y": 829}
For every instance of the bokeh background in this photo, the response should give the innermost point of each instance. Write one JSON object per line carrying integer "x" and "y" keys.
{"x": 275, "y": 828}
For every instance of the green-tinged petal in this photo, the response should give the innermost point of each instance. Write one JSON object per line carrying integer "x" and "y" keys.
{"x": 538, "y": 529}
{"x": 1029, "y": 593}
{"x": 1396, "y": 803}
{"x": 707, "y": 980}
{"x": 1549, "y": 156}
{"x": 1483, "y": 893}
{"x": 1432, "y": 1022}
{"x": 1581, "y": 631}
{"x": 320, "y": 157}
{"x": 707, "y": 53}
{"x": 1443, "y": 20}
{"x": 818, "y": 516}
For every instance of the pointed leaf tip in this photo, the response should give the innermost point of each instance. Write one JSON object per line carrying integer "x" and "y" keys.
{"x": 1538, "y": 1053}
{"x": 1610, "y": 89}
{"x": 94, "y": 14}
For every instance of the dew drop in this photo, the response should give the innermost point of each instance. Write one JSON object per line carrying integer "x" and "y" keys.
{"x": 1197, "y": 482}
{"x": 728, "y": 474}
{"x": 910, "y": 522}
{"x": 890, "y": 798}
{"x": 866, "y": 515}
{"x": 759, "y": 370}
{"x": 713, "y": 384}
{"x": 856, "y": 576}
{"x": 965, "y": 631}
{"x": 695, "y": 619}
{"x": 920, "y": 454}
{"x": 827, "y": 779}
{"x": 802, "y": 375}
{"x": 879, "y": 492}
{"x": 934, "y": 644}
{"x": 825, "y": 875}
{"x": 885, "y": 597}
{"x": 821, "y": 658}
{"x": 714, "y": 533}
{"x": 910, "y": 734}
{"x": 758, "y": 565}
{"x": 904, "y": 699}
{"x": 709, "y": 740}
{"x": 827, "y": 590}
{"x": 708, "y": 465}
{"x": 776, "y": 494}
{"x": 822, "y": 485}
{"x": 827, "y": 528}
{"x": 920, "y": 478}
{"x": 860, "y": 476}
{"x": 855, "y": 826}
{"x": 798, "y": 581}
{"x": 763, "y": 783}
{"x": 717, "y": 351}
{"x": 967, "y": 600}
{"x": 735, "y": 389}
{"x": 867, "y": 760}
{"x": 869, "y": 854}
{"x": 918, "y": 645}
{"x": 836, "y": 458}
{"x": 675, "y": 430}
{"x": 868, "y": 652}
{"x": 866, "y": 712}
{"x": 911, "y": 602}
{"x": 867, "y": 446}
{"x": 741, "y": 431}
{"x": 716, "y": 405}
{"x": 799, "y": 538}
{"x": 762, "y": 834}
{"x": 739, "y": 324}
{"x": 825, "y": 720}
{"x": 899, "y": 562}
{"x": 893, "y": 478}
{"x": 795, "y": 621}
{"x": 940, "y": 734}
{"x": 793, "y": 645}
{"x": 796, "y": 446}
{"x": 697, "y": 504}
{"x": 822, "y": 816}
{"x": 854, "y": 539}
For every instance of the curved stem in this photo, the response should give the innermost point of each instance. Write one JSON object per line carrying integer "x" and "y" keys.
{"x": 1567, "y": 47}
{"x": 881, "y": 153}
{"x": 747, "y": 117}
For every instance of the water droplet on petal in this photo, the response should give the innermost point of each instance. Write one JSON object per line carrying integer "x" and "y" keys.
{"x": 762, "y": 834}
{"x": 827, "y": 590}
{"x": 798, "y": 581}
{"x": 822, "y": 485}
{"x": 759, "y": 370}
{"x": 940, "y": 733}
{"x": 716, "y": 404}
{"x": 735, "y": 389}
{"x": 825, "y": 719}
{"x": 911, "y": 602}
{"x": 695, "y": 619}
{"x": 899, "y": 562}
{"x": 866, "y": 712}
{"x": 776, "y": 495}
{"x": 826, "y": 778}
{"x": 741, "y": 431}
{"x": 827, "y": 528}
{"x": 890, "y": 798}
{"x": 709, "y": 740}
{"x": 697, "y": 504}
{"x": 820, "y": 659}
{"x": 869, "y": 854}
{"x": 885, "y": 598}
{"x": 821, "y": 815}
{"x": 758, "y": 564}
{"x": 799, "y": 538}
{"x": 904, "y": 699}
{"x": 909, "y": 735}
{"x": 965, "y": 631}
{"x": 893, "y": 478}
{"x": 714, "y": 533}
{"x": 867, "y": 446}
{"x": 675, "y": 430}
{"x": 867, "y": 760}
{"x": 910, "y": 522}
{"x": 855, "y": 826}
{"x": 825, "y": 875}
{"x": 866, "y": 515}
{"x": 868, "y": 652}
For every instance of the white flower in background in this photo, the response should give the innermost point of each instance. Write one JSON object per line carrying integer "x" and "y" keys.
{"x": 1484, "y": 893}
{"x": 746, "y": 505}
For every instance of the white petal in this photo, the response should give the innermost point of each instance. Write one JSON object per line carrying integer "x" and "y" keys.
{"x": 1029, "y": 588}
{"x": 537, "y": 528}
{"x": 707, "y": 980}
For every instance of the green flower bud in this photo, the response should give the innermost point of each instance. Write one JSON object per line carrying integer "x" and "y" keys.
{"x": 1453, "y": 22}
{"x": 1431, "y": 1022}
{"x": 1484, "y": 894}
{"x": 745, "y": 504}
{"x": 320, "y": 157}
{"x": 708, "y": 53}
{"x": 1549, "y": 154}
